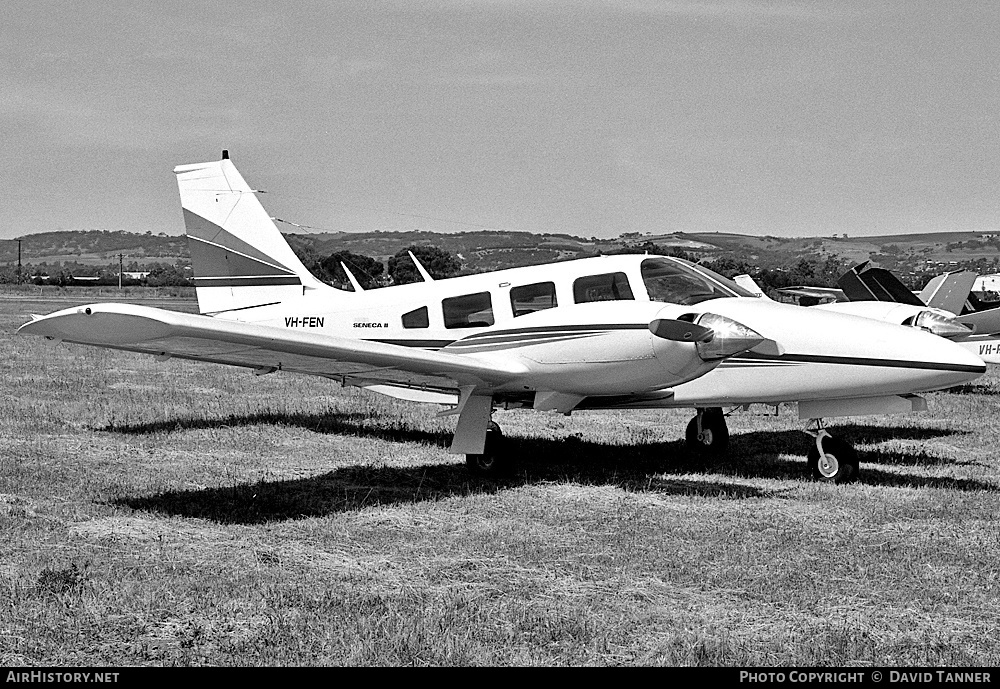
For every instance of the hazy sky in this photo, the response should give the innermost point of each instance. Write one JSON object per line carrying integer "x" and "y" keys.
{"x": 788, "y": 118}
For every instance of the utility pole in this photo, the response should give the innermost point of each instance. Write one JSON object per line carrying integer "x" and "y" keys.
{"x": 19, "y": 261}
{"x": 121, "y": 269}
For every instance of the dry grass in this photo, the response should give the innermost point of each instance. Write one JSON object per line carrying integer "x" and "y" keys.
{"x": 176, "y": 513}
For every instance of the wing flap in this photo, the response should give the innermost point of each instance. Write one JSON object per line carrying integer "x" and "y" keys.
{"x": 158, "y": 331}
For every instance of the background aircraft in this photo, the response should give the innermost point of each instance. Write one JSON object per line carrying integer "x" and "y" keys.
{"x": 596, "y": 333}
{"x": 946, "y": 306}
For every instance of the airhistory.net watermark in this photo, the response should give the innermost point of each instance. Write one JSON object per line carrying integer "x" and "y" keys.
{"x": 45, "y": 676}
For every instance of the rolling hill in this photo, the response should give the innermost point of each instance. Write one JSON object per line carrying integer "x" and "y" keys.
{"x": 912, "y": 255}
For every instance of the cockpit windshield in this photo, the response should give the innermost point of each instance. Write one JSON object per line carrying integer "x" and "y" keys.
{"x": 679, "y": 282}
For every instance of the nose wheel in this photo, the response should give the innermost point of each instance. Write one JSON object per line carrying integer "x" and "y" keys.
{"x": 830, "y": 459}
{"x": 494, "y": 461}
{"x": 707, "y": 433}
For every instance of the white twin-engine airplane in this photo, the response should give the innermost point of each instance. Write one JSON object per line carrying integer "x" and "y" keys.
{"x": 611, "y": 332}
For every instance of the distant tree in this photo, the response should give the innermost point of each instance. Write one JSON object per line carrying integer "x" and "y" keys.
{"x": 438, "y": 262}
{"x": 772, "y": 278}
{"x": 648, "y": 247}
{"x": 166, "y": 276}
{"x": 307, "y": 253}
{"x": 368, "y": 271}
{"x": 803, "y": 272}
{"x": 8, "y": 274}
{"x": 731, "y": 267}
{"x": 831, "y": 270}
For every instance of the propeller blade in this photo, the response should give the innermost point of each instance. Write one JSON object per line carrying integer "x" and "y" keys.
{"x": 680, "y": 331}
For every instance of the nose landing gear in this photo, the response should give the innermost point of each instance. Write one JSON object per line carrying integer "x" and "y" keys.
{"x": 830, "y": 459}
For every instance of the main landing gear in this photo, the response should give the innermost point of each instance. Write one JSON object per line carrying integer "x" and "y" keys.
{"x": 830, "y": 459}
{"x": 707, "y": 433}
{"x": 494, "y": 461}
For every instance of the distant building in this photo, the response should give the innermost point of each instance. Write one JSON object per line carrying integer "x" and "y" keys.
{"x": 987, "y": 283}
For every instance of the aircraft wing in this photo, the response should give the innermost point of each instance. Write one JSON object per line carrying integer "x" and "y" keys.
{"x": 812, "y": 292}
{"x": 267, "y": 349}
{"x": 985, "y": 322}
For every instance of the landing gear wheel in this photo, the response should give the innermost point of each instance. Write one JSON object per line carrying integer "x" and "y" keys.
{"x": 493, "y": 461}
{"x": 838, "y": 462}
{"x": 713, "y": 435}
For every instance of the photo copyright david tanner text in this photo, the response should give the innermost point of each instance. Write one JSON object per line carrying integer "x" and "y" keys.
{"x": 890, "y": 676}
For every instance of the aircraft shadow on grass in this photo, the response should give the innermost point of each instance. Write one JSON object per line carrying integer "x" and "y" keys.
{"x": 667, "y": 468}
{"x": 973, "y": 389}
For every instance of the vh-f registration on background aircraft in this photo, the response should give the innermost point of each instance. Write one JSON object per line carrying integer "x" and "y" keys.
{"x": 610, "y": 332}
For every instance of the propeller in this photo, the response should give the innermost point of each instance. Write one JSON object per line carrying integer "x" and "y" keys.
{"x": 715, "y": 336}
{"x": 680, "y": 331}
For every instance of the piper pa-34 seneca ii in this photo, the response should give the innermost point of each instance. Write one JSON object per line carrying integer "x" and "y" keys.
{"x": 611, "y": 332}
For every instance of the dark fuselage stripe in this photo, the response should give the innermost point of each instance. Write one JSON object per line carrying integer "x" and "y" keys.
{"x": 860, "y": 361}
{"x": 556, "y": 329}
{"x": 506, "y": 338}
{"x": 520, "y": 342}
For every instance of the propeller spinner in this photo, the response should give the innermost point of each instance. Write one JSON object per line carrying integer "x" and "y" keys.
{"x": 715, "y": 336}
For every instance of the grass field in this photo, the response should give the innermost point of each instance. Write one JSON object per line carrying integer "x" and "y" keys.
{"x": 174, "y": 513}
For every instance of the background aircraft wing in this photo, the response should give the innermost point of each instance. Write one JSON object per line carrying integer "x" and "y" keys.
{"x": 810, "y": 296}
{"x": 266, "y": 349}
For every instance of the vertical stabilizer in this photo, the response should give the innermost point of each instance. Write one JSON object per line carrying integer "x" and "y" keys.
{"x": 239, "y": 257}
{"x": 864, "y": 282}
{"x": 750, "y": 285}
{"x": 949, "y": 291}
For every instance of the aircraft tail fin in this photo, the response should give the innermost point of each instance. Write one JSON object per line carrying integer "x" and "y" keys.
{"x": 949, "y": 291}
{"x": 750, "y": 285}
{"x": 239, "y": 256}
{"x": 866, "y": 283}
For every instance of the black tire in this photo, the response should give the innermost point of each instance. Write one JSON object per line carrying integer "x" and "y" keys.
{"x": 494, "y": 460}
{"x": 839, "y": 463}
{"x": 714, "y": 437}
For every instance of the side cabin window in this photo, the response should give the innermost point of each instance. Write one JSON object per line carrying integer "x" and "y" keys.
{"x": 530, "y": 298}
{"x": 606, "y": 287}
{"x": 468, "y": 311}
{"x": 416, "y": 318}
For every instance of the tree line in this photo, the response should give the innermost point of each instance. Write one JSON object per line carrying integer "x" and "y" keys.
{"x": 372, "y": 273}
{"x": 399, "y": 269}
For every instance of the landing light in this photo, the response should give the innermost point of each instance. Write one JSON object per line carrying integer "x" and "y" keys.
{"x": 731, "y": 337}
